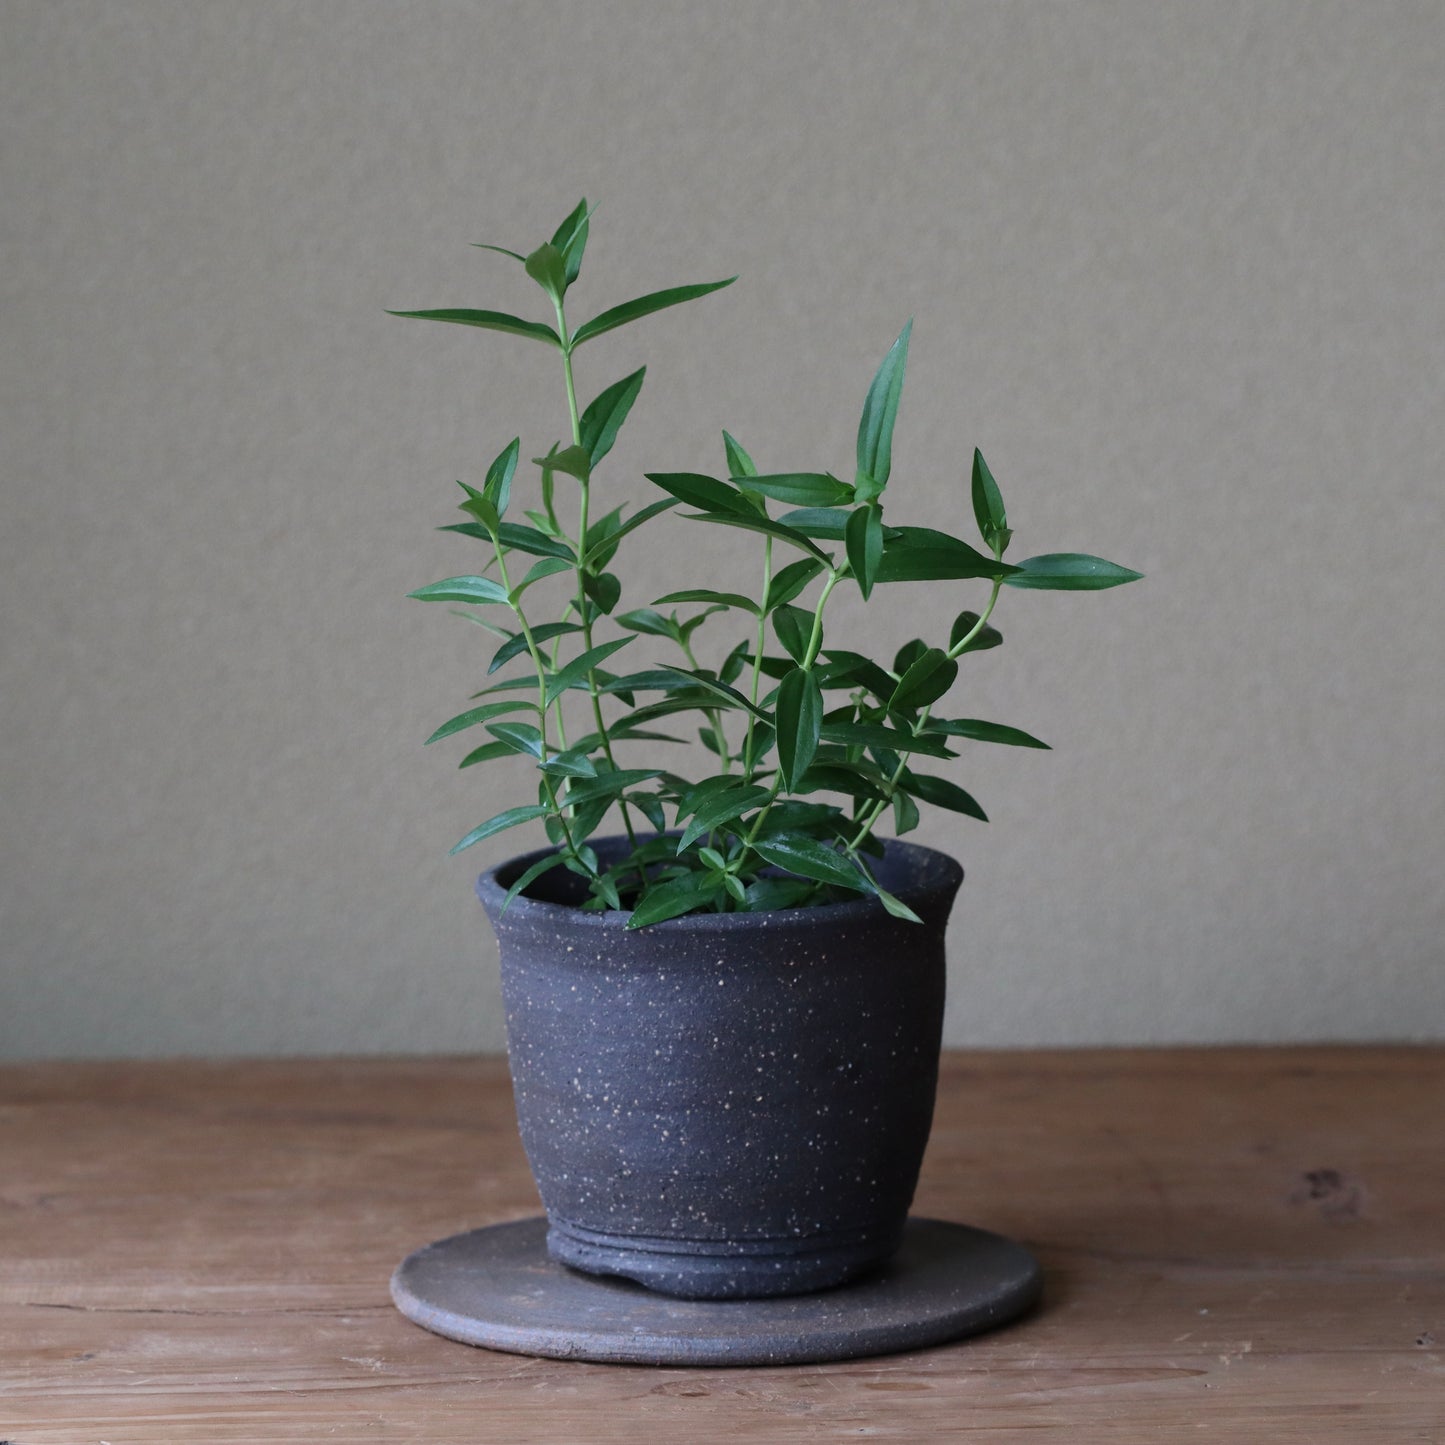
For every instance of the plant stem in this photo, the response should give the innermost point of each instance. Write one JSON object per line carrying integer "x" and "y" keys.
{"x": 558, "y": 810}
{"x": 748, "y": 763}
{"x": 871, "y": 817}
{"x": 583, "y": 607}
{"x": 713, "y": 715}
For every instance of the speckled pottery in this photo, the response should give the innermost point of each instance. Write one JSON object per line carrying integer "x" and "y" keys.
{"x": 725, "y": 1106}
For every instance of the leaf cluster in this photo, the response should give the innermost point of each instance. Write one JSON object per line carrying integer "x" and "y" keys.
{"x": 808, "y": 748}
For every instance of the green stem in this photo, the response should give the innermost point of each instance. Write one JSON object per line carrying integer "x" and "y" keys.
{"x": 713, "y": 715}
{"x": 958, "y": 648}
{"x": 583, "y": 609}
{"x": 749, "y": 764}
{"x": 558, "y": 810}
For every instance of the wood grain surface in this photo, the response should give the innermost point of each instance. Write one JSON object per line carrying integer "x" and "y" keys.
{"x": 1239, "y": 1245}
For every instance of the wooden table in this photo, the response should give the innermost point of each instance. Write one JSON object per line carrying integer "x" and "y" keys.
{"x": 1240, "y": 1245}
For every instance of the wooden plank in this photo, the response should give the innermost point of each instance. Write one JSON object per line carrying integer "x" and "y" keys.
{"x": 1242, "y": 1244}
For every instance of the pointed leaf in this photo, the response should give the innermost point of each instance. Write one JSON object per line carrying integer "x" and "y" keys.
{"x": 740, "y": 464}
{"x": 573, "y": 460}
{"x": 601, "y": 554}
{"x": 542, "y": 567}
{"x": 925, "y": 681}
{"x": 519, "y": 736}
{"x": 490, "y": 321}
{"x": 546, "y": 267}
{"x": 603, "y": 588}
{"x": 570, "y": 238}
{"x": 920, "y": 554}
{"x": 479, "y": 590}
{"x": 984, "y": 732}
{"x": 943, "y": 794}
{"x": 720, "y": 689}
{"x": 875, "y": 735}
{"x": 791, "y": 580}
{"x": 506, "y": 819}
{"x": 799, "y": 720}
{"x": 535, "y": 543}
{"x": 811, "y": 859}
{"x": 576, "y": 670}
{"x": 645, "y": 619}
{"x": 604, "y": 417}
{"x": 985, "y": 638}
{"x": 643, "y": 306}
{"x": 541, "y": 866}
{"x": 717, "y": 599}
{"x": 723, "y": 808}
{"x": 988, "y": 509}
{"x": 1070, "y": 572}
{"x": 829, "y": 523}
{"x": 800, "y": 489}
{"x": 476, "y": 715}
{"x": 517, "y": 643}
{"x": 880, "y": 410}
{"x": 864, "y": 536}
{"x": 705, "y": 493}
{"x": 794, "y": 629}
{"x": 671, "y": 899}
{"x": 501, "y": 251}
{"x": 498, "y": 488}
{"x": 756, "y": 522}
{"x": 487, "y": 753}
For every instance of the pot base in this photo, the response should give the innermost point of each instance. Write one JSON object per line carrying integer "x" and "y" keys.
{"x": 499, "y": 1288}
{"x": 699, "y": 1270}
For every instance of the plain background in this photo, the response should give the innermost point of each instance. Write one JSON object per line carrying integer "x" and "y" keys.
{"x": 1176, "y": 266}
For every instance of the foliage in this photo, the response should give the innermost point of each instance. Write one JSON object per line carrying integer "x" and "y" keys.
{"x": 789, "y": 725}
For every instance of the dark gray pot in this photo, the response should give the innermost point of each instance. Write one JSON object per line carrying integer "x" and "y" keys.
{"x": 725, "y": 1105}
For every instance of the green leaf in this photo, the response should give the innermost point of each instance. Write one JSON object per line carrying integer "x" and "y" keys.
{"x": 643, "y": 306}
{"x": 880, "y": 410}
{"x": 644, "y": 619}
{"x": 607, "y": 785}
{"x": 573, "y": 460}
{"x": 720, "y": 689}
{"x": 500, "y": 250}
{"x": 920, "y": 554}
{"x": 789, "y": 581}
{"x": 988, "y": 509}
{"x": 542, "y": 567}
{"x": 498, "y": 487}
{"x": 811, "y": 859}
{"x": 846, "y": 668}
{"x": 723, "y": 808}
{"x": 517, "y": 642}
{"x": 740, "y": 464}
{"x": 963, "y": 624}
{"x": 482, "y": 508}
{"x": 942, "y": 794}
{"x": 707, "y": 494}
{"x": 603, "y": 588}
{"x": 672, "y": 899}
{"x": 984, "y": 732}
{"x": 875, "y": 735}
{"x": 600, "y": 554}
{"x": 756, "y": 522}
{"x": 704, "y": 594}
{"x": 800, "y": 489}
{"x": 604, "y": 417}
{"x": 1069, "y": 572}
{"x": 896, "y": 906}
{"x": 925, "y": 681}
{"x": 905, "y": 813}
{"x": 478, "y": 590}
{"x": 487, "y": 753}
{"x": 509, "y": 818}
{"x": 864, "y": 536}
{"x": 533, "y": 542}
{"x": 576, "y": 670}
{"x": 799, "y": 720}
{"x": 829, "y": 523}
{"x": 521, "y": 737}
{"x": 530, "y": 875}
{"x": 489, "y": 321}
{"x": 573, "y": 763}
{"x": 794, "y": 628}
{"x": 570, "y": 238}
{"x": 546, "y": 267}
{"x": 476, "y": 715}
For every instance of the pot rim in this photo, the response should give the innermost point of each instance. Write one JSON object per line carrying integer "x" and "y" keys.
{"x": 934, "y": 875}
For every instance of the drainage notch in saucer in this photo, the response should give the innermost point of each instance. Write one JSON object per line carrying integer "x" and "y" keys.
{"x": 498, "y": 1288}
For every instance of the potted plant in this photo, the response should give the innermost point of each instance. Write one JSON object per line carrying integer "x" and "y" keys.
{"x": 724, "y": 1009}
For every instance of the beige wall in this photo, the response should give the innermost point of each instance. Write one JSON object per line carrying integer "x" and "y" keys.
{"x": 1176, "y": 267}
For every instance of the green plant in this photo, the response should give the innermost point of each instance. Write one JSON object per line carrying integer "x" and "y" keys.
{"x": 780, "y": 727}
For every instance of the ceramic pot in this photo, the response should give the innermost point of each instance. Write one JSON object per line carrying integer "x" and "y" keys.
{"x": 725, "y": 1105}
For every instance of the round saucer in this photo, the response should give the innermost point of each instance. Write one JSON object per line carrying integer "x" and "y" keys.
{"x": 498, "y": 1288}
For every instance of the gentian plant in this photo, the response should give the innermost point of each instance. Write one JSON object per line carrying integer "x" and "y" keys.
{"x": 806, "y": 747}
